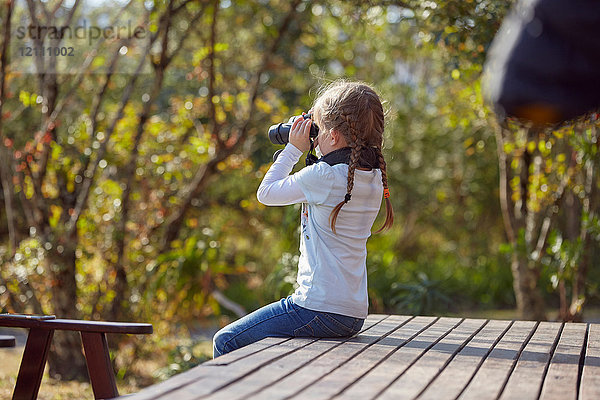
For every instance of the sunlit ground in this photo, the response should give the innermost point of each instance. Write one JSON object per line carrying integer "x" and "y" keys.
{"x": 55, "y": 390}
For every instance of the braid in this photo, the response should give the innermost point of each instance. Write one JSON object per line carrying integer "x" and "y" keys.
{"x": 354, "y": 156}
{"x": 356, "y": 147}
{"x": 354, "y": 110}
{"x": 382, "y": 166}
{"x": 389, "y": 216}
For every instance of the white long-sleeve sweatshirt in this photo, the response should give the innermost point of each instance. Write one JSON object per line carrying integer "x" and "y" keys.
{"x": 332, "y": 275}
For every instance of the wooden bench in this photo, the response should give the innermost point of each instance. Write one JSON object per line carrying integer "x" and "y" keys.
{"x": 93, "y": 336}
{"x": 403, "y": 357}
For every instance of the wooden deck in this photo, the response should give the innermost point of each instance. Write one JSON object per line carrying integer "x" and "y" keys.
{"x": 401, "y": 357}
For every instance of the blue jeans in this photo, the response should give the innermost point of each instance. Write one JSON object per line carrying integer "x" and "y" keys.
{"x": 283, "y": 318}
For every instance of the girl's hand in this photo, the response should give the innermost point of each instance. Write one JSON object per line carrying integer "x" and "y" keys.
{"x": 300, "y": 132}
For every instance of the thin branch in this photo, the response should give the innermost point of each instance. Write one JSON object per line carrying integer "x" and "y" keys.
{"x": 184, "y": 36}
{"x": 91, "y": 170}
{"x": 97, "y": 103}
{"x": 37, "y": 201}
{"x": 51, "y": 16}
{"x": 526, "y": 160}
{"x": 165, "y": 59}
{"x": 50, "y": 100}
{"x": 15, "y": 115}
{"x": 206, "y": 171}
{"x": 384, "y": 3}
{"x": 550, "y": 212}
{"x": 181, "y": 6}
{"x": 26, "y": 204}
{"x": 66, "y": 99}
{"x": 58, "y": 5}
{"x": 46, "y": 12}
{"x": 70, "y": 94}
{"x": 241, "y": 135}
{"x": 38, "y": 42}
{"x": 504, "y": 186}
{"x": 120, "y": 286}
{"x": 590, "y": 208}
{"x": 196, "y": 127}
{"x": 33, "y": 300}
{"x": 212, "y": 112}
{"x": 5, "y": 159}
{"x": 228, "y": 303}
{"x": 531, "y": 187}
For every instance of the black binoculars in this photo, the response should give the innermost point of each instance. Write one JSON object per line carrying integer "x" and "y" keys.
{"x": 280, "y": 133}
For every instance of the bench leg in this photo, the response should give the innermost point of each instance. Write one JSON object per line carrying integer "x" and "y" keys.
{"x": 33, "y": 364}
{"x": 99, "y": 365}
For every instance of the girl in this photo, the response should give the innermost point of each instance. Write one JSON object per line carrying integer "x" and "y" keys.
{"x": 340, "y": 196}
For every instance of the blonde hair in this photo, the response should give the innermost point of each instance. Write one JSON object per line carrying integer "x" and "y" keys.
{"x": 354, "y": 110}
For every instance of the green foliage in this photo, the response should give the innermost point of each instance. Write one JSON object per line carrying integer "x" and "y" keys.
{"x": 419, "y": 296}
{"x": 438, "y": 283}
{"x": 186, "y": 355}
{"x": 563, "y": 257}
{"x": 281, "y": 282}
{"x": 185, "y": 274}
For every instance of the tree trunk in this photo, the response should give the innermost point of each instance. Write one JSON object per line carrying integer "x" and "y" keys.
{"x": 517, "y": 222}
{"x": 589, "y": 207}
{"x": 66, "y": 359}
{"x": 530, "y": 303}
{"x": 5, "y": 156}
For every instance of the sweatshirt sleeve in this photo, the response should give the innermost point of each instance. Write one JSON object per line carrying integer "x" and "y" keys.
{"x": 278, "y": 187}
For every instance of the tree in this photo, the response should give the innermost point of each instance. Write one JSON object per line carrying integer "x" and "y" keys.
{"x": 56, "y": 171}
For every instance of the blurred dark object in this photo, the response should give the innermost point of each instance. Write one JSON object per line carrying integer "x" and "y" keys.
{"x": 544, "y": 63}
{"x": 7, "y": 341}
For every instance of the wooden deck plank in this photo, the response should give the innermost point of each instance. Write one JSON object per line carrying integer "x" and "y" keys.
{"x": 491, "y": 376}
{"x": 297, "y": 382}
{"x": 263, "y": 376}
{"x": 376, "y": 373}
{"x": 200, "y": 372}
{"x": 455, "y": 377}
{"x": 217, "y": 377}
{"x": 590, "y": 380}
{"x": 361, "y": 387}
{"x": 276, "y": 371}
{"x": 185, "y": 384}
{"x": 253, "y": 348}
{"x": 562, "y": 377}
{"x": 246, "y": 351}
{"x": 426, "y": 369}
{"x": 526, "y": 380}
{"x": 402, "y": 357}
{"x": 282, "y": 367}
